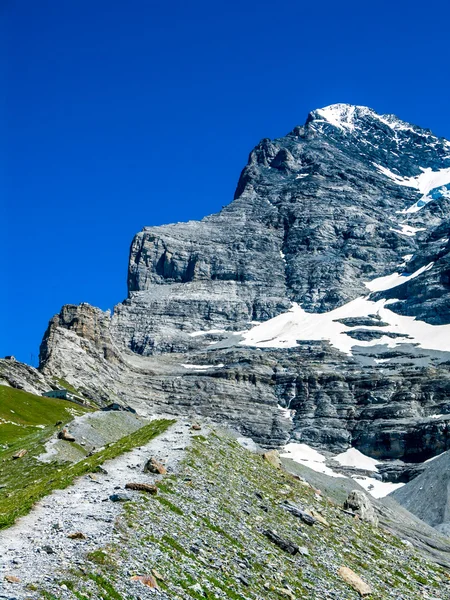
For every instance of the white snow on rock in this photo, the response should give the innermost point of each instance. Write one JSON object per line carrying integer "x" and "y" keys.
{"x": 376, "y": 488}
{"x": 202, "y": 367}
{"x": 285, "y": 330}
{"x": 407, "y": 230}
{"x": 424, "y": 183}
{"x": 395, "y": 279}
{"x": 354, "y": 458}
{"x": 197, "y": 333}
{"x": 339, "y": 115}
{"x": 307, "y": 456}
{"x": 287, "y": 413}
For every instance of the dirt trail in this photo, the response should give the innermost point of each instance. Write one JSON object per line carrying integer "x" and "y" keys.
{"x": 37, "y": 548}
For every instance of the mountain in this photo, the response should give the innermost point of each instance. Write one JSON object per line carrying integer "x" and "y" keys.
{"x": 315, "y": 307}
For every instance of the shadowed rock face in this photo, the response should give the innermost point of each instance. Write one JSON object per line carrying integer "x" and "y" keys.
{"x": 316, "y": 214}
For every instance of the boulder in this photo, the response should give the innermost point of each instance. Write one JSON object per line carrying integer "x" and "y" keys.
{"x": 359, "y": 503}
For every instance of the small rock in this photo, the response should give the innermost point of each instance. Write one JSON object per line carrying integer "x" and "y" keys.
{"x": 147, "y": 580}
{"x": 285, "y": 545}
{"x": 48, "y": 549}
{"x": 153, "y": 466}
{"x": 65, "y": 435}
{"x": 77, "y": 535}
{"x": 142, "y": 487}
{"x": 196, "y": 427}
{"x": 12, "y": 579}
{"x": 273, "y": 457}
{"x": 157, "y": 575}
{"x": 355, "y": 581}
{"x": 120, "y": 497}
{"x": 20, "y": 454}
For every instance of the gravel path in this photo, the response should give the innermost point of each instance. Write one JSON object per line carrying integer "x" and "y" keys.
{"x": 37, "y": 548}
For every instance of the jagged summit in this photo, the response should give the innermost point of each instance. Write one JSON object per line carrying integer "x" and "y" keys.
{"x": 348, "y": 116}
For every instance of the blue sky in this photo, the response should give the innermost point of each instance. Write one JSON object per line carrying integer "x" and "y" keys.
{"x": 116, "y": 115}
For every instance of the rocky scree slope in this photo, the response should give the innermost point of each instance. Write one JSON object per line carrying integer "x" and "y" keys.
{"x": 339, "y": 237}
{"x": 221, "y": 525}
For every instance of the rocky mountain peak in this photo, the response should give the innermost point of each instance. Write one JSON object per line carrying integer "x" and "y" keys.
{"x": 323, "y": 288}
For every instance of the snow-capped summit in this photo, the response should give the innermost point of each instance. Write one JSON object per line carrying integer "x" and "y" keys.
{"x": 348, "y": 116}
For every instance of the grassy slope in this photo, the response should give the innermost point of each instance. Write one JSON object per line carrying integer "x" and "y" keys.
{"x": 204, "y": 534}
{"x": 26, "y": 480}
{"x": 28, "y": 413}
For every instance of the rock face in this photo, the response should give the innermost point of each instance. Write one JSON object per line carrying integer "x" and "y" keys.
{"x": 350, "y": 205}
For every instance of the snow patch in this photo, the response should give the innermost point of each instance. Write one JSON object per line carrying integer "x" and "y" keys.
{"x": 285, "y": 330}
{"x": 354, "y": 458}
{"x": 407, "y": 230}
{"x": 198, "y": 333}
{"x": 376, "y": 488}
{"x": 395, "y": 279}
{"x": 202, "y": 367}
{"x": 307, "y": 456}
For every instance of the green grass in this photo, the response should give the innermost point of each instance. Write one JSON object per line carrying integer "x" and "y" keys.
{"x": 25, "y": 412}
{"x": 28, "y": 480}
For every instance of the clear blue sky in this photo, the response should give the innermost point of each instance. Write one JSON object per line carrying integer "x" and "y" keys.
{"x": 120, "y": 114}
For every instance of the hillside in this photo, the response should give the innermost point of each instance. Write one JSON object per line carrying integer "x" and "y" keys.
{"x": 204, "y": 535}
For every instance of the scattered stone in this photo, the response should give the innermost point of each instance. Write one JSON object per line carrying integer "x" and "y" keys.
{"x": 65, "y": 435}
{"x": 153, "y": 466}
{"x": 20, "y": 453}
{"x": 359, "y": 504}
{"x": 196, "y": 427}
{"x": 304, "y": 515}
{"x": 147, "y": 580}
{"x": 355, "y": 581}
{"x": 318, "y": 517}
{"x": 158, "y": 575}
{"x": 12, "y": 579}
{"x": 273, "y": 457}
{"x": 142, "y": 487}
{"x": 120, "y": 497}
{"x": 286, "y": 592}
{"x": 99, "y": 469}
{"x": 77, "y": 535}
{"x": 285, "y": 545}
{"x": 48, "y": 549}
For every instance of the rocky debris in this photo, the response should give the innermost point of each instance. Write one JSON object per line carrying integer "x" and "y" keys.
{"x": 142, "y": 487}
{"x": 20, "y": 454}
{"x": 205, "y": 534}
{"x": 65, "y": 435}
{"x": 355, "y": 581}
{"x": 154, "y": 466}
{"x": 273, "y": 457}
{"x": 282, "y": 543}
{"x": 77, "y": 535}
{"x": 120, "y": 497}
{"x": 118, "y": 407}
{"x": 147, "y": 580}
{"x": 360, "y": 505}
{"x": 304, "y": 515}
